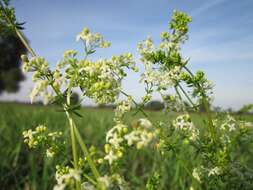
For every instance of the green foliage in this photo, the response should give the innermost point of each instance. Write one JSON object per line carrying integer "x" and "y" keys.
{"x": 20, "y": 167}
{"x": 8, "y": 21}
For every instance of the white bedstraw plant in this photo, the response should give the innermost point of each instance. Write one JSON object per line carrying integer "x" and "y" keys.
{"x": 212, "y": 145}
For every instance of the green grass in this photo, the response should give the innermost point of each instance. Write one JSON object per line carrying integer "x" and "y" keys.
{"x": 24, "y": 169}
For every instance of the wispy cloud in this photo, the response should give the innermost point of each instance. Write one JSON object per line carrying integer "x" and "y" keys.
{"x": 206, "y": 6}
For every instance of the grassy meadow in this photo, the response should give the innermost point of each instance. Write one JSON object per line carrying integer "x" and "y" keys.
{"x": 24, "y": 169}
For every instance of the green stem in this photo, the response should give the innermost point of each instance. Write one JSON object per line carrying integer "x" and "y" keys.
{"x": 86, "y": 152}
{"x": 206, "y": 107}
{"x": 19, "y": 34}
{"x": 187, "y": 96}
{"x": 74, "y": 147}
{"x": 21, "y": 37}
{"x": 179, "y": 95}
{"x": 136, "y": 104}
{"x": 88, "y": 157}
{"x": 90, "y": 179}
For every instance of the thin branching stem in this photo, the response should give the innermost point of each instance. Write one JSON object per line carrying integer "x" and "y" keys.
{"x": 136, "y": 104}
{"x": 206, "y": 107}
{"x": 187, "y": 96}
{"x": 74, "y": 147}
{"x": 88, "y": 157}
{"x": 178, "y": 93}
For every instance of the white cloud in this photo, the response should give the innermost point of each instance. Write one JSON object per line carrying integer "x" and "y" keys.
{"x": 206, "y": 6}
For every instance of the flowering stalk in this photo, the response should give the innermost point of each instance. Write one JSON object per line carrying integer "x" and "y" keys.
{"x": 73, "y": 129}
{"x": 206, "y": 106}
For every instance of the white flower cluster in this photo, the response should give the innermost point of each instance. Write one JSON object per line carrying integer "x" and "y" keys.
{"x": 163, "y": 65}
{"x": 141, "y": 135}
{"x": 199, "y": 172}
{"x": 67, "y": 178}
{"x": 184, "y": 124}
{"x": 116, "y": 138}
{"x": 87, "y": 186}
{"x": 215, "y": 171}
{"x": 41, "y": 69}
{"x": 123, "y": 107}
{"x": 161, "y": 79}
{"x": 41, "y": 89}
{"x": 196, "y": 173}
{"x": 40, "y": 136}
{"x": 92, "y": 40}
{"x": 229, "y": 124}
{"x": 101, "y": 80}
{"x": 114, "y": 181}
{"x": 156, "y": 75}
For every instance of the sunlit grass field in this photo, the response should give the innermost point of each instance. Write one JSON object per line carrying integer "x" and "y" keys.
{"x": 24, "y": 169}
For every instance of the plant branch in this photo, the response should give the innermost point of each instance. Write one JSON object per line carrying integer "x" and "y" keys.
{"x": 187, "y": 96}
{"x": 136, "y": 104}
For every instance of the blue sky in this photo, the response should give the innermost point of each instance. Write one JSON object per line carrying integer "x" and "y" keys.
{"x": 220, "y": 38}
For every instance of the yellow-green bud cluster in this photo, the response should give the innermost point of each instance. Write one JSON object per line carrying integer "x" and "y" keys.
{"x": 35, "y": 64}
{"x": 101, "y": 80}
{"x": 40, "y": 137}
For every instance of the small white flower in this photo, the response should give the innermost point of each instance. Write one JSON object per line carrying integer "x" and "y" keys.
{"x": 131, "y": 138}
{"x": 111, "y": 157}
{"x": 87, "y": 186}
{"x": 183, "y": 123}
{"x": 50, "y": 153}
{"x": 115, "y": 140}
{"x": 215, "y": 171}
{"x": 196, "y": 174}
{"x": 145, "y": 123}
